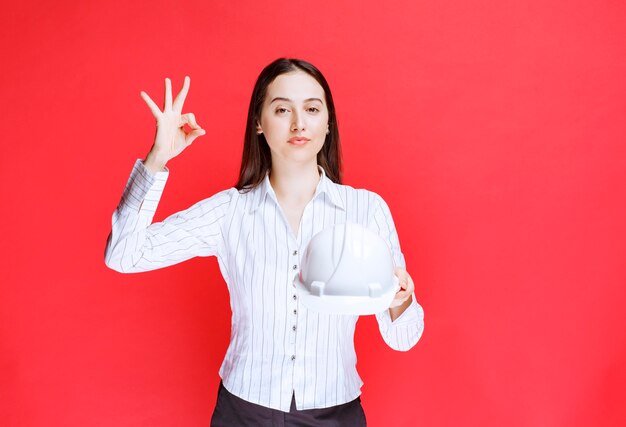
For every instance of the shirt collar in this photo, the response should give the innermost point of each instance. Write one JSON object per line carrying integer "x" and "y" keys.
{"x": 325, "y": 185}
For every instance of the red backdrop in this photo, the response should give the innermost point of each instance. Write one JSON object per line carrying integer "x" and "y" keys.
{"x": 495, "y": 131}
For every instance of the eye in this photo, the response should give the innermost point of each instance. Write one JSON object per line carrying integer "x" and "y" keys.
{"x": 313, "y": 110}
{"x": 281, "y": 110}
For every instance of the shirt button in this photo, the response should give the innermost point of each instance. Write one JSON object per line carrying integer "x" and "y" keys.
{"x": 295, "y": 253}
{"x": 295, "y": 312}
{"x": 293, "y": 357}
{"x": 295, "y": 297}
{"x": 295, "y": 267}
{"x": 294, "y": 327}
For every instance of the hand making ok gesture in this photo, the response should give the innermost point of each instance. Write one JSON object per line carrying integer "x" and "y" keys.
{"x": 171, "y": 136}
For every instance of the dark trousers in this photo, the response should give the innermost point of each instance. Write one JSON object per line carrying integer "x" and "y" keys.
{"x": 232, "y": 411}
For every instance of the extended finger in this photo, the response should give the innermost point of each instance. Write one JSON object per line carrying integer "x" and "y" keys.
{"x": 182, "y": 95}
{"x": 156, "y": 112}
{"x": 168, "y": 95}
{"x": 189, "y": 119}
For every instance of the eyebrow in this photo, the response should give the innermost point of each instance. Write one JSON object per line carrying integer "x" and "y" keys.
{"x": 289, "y": 100}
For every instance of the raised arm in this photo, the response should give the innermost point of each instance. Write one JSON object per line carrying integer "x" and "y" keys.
{"x": 135, "y": 244}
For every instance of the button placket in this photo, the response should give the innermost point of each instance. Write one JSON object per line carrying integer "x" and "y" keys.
{"x": 294, "y": 263}
{"x": 294, "y": 268}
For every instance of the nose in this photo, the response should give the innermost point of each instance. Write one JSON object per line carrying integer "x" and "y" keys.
{"x": 297, "y": 123}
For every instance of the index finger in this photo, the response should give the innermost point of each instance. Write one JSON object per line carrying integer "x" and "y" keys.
{"x": 182, "y": 95}
{"x": 156, "y": 112}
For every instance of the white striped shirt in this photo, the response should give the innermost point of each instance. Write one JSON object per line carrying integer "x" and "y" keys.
{"x": 277, "y": 346}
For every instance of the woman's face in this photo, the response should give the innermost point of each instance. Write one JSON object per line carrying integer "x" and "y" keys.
{"x": 294, "y": 118}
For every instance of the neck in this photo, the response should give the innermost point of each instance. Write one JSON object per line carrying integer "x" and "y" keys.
{"x": 294, "y": 183}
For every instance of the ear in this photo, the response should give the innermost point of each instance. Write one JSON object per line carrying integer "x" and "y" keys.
{"x": 258, "y": 128}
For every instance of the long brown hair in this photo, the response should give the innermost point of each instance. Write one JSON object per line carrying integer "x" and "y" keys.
{"x": 256, "y": 161}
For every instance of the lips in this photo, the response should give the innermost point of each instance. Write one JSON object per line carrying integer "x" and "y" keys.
{"x": 298, "y": 140}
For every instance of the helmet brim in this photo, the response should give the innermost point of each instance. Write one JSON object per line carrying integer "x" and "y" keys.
{"x": 346, "y": 304}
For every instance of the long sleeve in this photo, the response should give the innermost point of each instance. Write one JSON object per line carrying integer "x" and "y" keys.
{"x": 404, "y": 332}
{"x": 135, "y": 244}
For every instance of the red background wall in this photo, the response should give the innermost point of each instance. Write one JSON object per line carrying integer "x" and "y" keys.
{"x": 495, "y": 131}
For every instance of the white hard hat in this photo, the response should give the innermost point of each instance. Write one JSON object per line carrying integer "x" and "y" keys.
{"x": 347, "y": 269}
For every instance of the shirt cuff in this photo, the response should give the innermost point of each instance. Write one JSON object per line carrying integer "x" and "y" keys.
{"x": 404, "y": 332}
{"x": 411, "y": 315}
{"x": 143, "y": 189}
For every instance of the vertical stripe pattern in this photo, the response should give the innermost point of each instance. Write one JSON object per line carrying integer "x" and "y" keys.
{"x": 277, "y": 346}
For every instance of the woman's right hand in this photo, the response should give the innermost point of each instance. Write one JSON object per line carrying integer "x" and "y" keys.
{"x": 171, "y": 137}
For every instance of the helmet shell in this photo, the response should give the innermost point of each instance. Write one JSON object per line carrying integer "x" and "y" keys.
{"x": 347, "y": 269}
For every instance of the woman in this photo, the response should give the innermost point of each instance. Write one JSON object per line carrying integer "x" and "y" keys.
{"x": 285, "y": 365}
